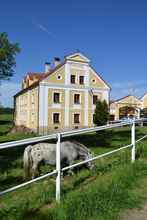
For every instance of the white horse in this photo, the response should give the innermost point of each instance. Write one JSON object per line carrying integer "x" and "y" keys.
{"x": 46, "y": 153}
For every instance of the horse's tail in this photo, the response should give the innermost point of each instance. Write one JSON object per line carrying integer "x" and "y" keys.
{"x": 27, "y": 161}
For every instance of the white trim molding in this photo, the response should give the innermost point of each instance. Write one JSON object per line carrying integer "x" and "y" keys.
{"x": 43, "y": 106}
{"x": 54, "y": 105}
{"x": 66, "y": 116}
{"x": 73, "y": 87}
{"x": 67, "y": 73}
{"x": 86, "y": 108}
{"x": 86, "y": 78}
{"x": 77, "y": 106}
{"x": 70, "y": 57}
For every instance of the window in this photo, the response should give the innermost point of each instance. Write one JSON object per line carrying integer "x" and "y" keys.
{"x": 59, "y": 77}
{"x": 93, "y": 81}
{"x": 76, "y": 118}
{"x": 95, "y": 98}
{"x": 56, "y": 97}
{"x": 76, "y": 99}
{"x": 81, "y": 80}
{"x": 56, "y": 118}
{"x": 73, "y": 79}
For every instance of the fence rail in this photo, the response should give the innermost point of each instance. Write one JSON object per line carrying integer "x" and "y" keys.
{"x": 33, "y": 140}
{"x": 58, "y": 137}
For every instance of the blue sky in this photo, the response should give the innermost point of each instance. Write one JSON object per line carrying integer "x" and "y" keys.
{"x": 112, "y": 33}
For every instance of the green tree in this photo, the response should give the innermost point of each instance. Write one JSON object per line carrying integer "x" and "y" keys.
{"x": 8, "y": 53}
{"x": 101, "y": 114}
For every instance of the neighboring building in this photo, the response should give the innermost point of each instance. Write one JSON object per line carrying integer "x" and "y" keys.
{"x": 144, "y": 100}
{"x": 61, "y": 98}
{"x": 128, "y": 106}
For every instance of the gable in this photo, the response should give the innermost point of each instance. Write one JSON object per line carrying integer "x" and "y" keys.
{"x": 144, "y": 96}
{"x": 96, "y": 81}
{"x": 57, "y": 77}
{"x": 130, "y": 100}
{"x": 144, "y": 100}
{"x": 77, "y": 57}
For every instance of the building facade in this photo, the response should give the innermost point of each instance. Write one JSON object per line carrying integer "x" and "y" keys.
{"x": 128, "y": 106}
{"x": 62, "y": 98}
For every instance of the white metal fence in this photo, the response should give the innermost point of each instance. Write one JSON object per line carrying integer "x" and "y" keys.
{"x": 58, "y": 137}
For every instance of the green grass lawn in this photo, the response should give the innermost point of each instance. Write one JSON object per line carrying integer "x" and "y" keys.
{"x": 101, "y": 194}
{"x": 6, "y": 123}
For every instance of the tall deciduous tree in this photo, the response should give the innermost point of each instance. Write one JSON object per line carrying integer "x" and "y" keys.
{"x": 101, "y": 114}
{"x": 8, "y": 53}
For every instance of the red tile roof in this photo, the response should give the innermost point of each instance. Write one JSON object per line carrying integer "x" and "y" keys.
{"x": 39, "y": 76}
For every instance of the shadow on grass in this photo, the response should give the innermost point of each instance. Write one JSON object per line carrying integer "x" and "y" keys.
{"x": 10, "y": 181}
{"x": 8, "y": 158}
{"x": 36, "y": 215}
{"x": 4, "y": 122}
{"x": 102, "y": 139}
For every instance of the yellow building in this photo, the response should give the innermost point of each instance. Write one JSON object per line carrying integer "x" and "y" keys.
{"x": 144, "y": 100}
{"x": 62, "y": 98}
{"x": 128, "y": 106}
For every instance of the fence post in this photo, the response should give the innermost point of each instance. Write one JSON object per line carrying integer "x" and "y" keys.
{"x": 58, "y": 168}
{"x": 133, "y": 140}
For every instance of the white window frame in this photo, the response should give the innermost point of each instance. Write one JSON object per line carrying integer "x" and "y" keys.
{"x": 58, "y": 76}
{"x": 79, "y": 118}
{"x": 92, "y": 98}
{"x": 53, "y": 118}
{"x": 94, "y": 82}
{"x": 83, "y": 80}
{"x": 60, "y": 97}
{"x": 75, "y": 79}
{"x": 76, "y": 93}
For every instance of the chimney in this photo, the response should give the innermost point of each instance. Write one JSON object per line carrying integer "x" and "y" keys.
{"x": 47, "y": 67}
{"x": 56, "y": 61}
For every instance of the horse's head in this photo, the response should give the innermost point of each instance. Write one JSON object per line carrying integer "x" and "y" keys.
{"x": 90, "y": 155}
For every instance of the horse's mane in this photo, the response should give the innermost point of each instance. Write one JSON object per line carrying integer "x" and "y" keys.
{"x": 81, "y": 146}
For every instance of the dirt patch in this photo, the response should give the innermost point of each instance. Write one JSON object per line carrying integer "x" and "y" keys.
{"x": 21, "y": 129}
{"x": 136, "y": 214}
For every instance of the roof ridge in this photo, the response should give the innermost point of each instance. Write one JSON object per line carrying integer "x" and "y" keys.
{"x": 117, "y": 100}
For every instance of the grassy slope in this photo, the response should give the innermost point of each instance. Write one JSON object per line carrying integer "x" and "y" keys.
{"x": 100, "y": 194}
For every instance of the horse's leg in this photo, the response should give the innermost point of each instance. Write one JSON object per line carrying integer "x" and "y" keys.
{"x": 34, "y": 170}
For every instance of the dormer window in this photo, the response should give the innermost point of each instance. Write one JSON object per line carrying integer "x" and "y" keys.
{"x": 73, "y": 79}
{"x": 81, "y": 80}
